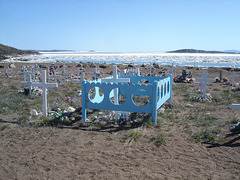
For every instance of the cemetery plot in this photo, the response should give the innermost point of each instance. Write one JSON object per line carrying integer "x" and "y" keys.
{"x": 121, "y": 82}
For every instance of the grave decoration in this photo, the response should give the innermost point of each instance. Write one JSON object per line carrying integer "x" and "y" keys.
{"x": 236, "y": 127}
{"x": 52, "y": 68}
{"x": 158, "y": 91}
{"x": 185, "y": 77}
{"x": 44, "y": 85}
{"x": 203, "y": 81}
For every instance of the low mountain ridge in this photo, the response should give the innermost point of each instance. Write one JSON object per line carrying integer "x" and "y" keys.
{"x": 200, "y": 51}
{"x": 11, "y": 51}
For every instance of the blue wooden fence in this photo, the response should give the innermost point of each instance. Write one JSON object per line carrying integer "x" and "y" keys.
{"x": 159, "y": 90}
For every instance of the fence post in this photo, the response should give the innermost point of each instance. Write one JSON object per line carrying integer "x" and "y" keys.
{"x": 170, "y": 88}
{"x": 84, "y": 94}
{"x": 154, "y": 101}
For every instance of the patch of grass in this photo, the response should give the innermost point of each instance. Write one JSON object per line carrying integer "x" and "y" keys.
{"x": 193, "y": 117}
{"x": 134, "y": 135}
{"x": 234, "y": 120}
{"x": 206, "y": 136}
{"x": 158, "y": 140}
{"x": 3, "y": 127}
{"x": 187, "y": 129}
{"x": 180, "y": 88}
{"x": 45, "y": 121}
{"x": 148, "y": 123}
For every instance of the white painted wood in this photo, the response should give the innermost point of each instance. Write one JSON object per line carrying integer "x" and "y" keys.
{"x": 115, "y": 79}
{"x": 64, "y": 73}
{"x": 235, "y": 106}
{"x": 54, "y": 76}
{"x": 233, "y": 78}
{"x": 82, "y": 71}
{"x": 9, "y": 72}
{"x": 44, "y": 85}
{"x": 95, "y": 73}
{"x": 152, "y": 69}
{"x": 204, "y": 81}
{"x": 172, "y": 68}
{"x": 29, "y": 83}
{"x": 24, "y": 72}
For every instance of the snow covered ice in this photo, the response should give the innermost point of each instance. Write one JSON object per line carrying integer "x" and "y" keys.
{"x": 182, "y": 59}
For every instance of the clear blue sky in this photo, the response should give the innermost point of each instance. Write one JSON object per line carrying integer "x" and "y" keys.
{"x": 120, "y": 25}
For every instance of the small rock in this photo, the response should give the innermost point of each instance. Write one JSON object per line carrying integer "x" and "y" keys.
{"x": 72, "y": 118}
{"x": 70, "y": 109}
{"x": 103, "y": 66}
{"x": 103, "y": 123}
{"x": 79, "y": 65}
{"x": 189, "y": 105}
{"x": 161, "y": 110}
{"x": 156, "y": 65}
{"x": 34, "y": 112}
{"x": 12, "y": 66}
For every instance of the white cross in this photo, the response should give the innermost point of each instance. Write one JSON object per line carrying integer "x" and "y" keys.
{"x": 35, "y": 69}
{"x": 64, "y": 73}
{"x": 172, "y": 68}
{"x": 29, "y": 83}
{"x": 54, "y": 76}
{"x": 138, "y": 73}
{"x": 9, "y": 71}
{"x": 44, "y": 86}
{"x": 204, "y": 81}
{"x": 233, "y": 76}
{"x": 201, "y": 83}
{"x": 95, "y": 73}
{"x": 31, "y": 71}
{"x": 115, "y": 79}
{"x": 152, "y": 69}
{"x": 24, "y": 72}
{"x": 78, "y": 73}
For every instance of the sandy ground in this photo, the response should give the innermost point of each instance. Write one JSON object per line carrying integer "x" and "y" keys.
{"x": 87, "y": 152}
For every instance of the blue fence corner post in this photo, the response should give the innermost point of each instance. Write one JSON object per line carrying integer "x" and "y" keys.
{"x": 154, "y": 101}
{"x": 84, "y": 111}
{"x": 171, "y": 82}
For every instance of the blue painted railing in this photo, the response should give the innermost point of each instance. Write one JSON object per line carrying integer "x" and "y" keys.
{"x": 159, "y": 90}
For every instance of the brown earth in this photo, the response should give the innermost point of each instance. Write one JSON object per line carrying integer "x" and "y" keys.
{"x": 89, "y": 151}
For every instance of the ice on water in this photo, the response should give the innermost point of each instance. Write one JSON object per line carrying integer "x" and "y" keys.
{"x": 223, "y": 60}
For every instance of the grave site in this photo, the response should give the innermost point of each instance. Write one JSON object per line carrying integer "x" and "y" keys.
{"x": 54, "y": 125}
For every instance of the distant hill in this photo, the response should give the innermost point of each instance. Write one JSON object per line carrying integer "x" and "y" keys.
{"x": 55, "y": 50}
{"x": 200, "y": 51}
{"x": 10, "y": 51}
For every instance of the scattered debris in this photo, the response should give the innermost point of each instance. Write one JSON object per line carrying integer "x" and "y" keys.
{"x": 236, "y": 127}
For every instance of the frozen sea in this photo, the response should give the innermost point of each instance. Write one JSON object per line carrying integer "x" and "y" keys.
{"x": 181, "y": 59}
